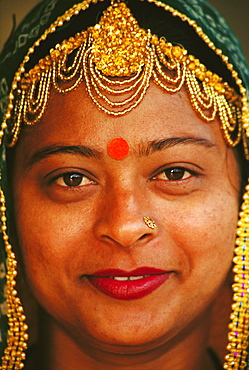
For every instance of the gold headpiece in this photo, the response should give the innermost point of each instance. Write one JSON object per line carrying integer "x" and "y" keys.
{"x": 117, "y": 60}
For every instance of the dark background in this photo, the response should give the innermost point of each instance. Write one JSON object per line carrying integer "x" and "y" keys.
{"x": 236, "y": 12}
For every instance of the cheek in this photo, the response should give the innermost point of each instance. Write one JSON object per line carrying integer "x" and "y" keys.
{"x": 49, "y": 237}
{"x": 205, "y": 231}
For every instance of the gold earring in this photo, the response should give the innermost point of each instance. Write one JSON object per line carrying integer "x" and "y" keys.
{"x": 149, "y": 222}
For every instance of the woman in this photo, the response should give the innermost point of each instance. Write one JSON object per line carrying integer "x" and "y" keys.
{"x": 125, "y": 128}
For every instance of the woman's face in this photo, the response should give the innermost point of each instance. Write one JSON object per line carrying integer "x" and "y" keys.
{"x": 80, "y": 218}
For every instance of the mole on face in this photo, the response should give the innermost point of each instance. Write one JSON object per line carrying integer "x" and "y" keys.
{"x": 118, "y": 148}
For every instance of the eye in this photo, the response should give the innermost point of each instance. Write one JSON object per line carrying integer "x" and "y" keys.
{"x": 175, "y": 174}
{"x": 72, "y": 180}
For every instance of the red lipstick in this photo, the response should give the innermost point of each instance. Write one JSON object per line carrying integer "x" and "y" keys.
{"x": 135, "y": 284}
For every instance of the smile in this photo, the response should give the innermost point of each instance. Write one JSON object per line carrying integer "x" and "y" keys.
{"x": 128, "y": 285}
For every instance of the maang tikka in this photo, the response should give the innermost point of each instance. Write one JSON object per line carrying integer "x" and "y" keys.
{"x": 117, "y": 59}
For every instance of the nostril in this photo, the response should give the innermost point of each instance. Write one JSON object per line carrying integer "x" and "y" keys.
{"x": 143, "y": 236}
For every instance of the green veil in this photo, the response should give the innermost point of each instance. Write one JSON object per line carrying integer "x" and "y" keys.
{"x": 31, "y": 29}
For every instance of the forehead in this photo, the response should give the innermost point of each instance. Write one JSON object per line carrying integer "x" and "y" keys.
{"x": 73, "y": 119}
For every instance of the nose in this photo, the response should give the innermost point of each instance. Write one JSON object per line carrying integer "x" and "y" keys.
{"x": 122, "y": 219}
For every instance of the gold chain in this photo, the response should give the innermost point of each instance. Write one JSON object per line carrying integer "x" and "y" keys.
{"x": 238, "y": 335}
{"x": 17, "y": 337}
{"x": 137, "y": 57}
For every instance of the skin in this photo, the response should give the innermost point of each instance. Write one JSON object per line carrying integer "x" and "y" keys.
{"x": 67, "y": 232}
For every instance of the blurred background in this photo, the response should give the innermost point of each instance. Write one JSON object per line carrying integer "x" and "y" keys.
{"x": 236, "y": 13}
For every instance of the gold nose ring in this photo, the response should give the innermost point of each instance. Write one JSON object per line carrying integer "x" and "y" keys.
{"x": 149, "y": 222}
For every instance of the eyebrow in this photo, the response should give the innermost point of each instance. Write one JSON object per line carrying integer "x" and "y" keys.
{"x": 144, "y": 149}
{"x": 63, "y": 149}
{"x": 153, "y": 146}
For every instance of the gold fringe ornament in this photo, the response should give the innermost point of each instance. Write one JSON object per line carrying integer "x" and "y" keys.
{"x": 117, "y": 60}
{"x": 14, "y": 353}
{"x": 239, "y": 326}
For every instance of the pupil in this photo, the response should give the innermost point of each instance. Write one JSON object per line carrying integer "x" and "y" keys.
{"x": 73, "y": 179}
{"x": 175, "y": 173}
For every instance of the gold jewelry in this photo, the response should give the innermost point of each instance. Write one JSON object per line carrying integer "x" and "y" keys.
{"x": 136, "y": 58}
{"x": 239, "y": 326}
{"x": 149, "y": 222}
{"x": 17, "y": 337}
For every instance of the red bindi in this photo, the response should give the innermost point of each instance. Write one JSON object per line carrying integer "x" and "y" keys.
{"x": 118, "y": 148}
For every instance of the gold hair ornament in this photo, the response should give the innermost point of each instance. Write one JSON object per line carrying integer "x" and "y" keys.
{"x": 239, "y": 326}
{"x": 17, "y": 337}
{"x": 117, "y": 60}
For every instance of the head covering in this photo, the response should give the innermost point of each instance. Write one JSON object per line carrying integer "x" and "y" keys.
{"x": 206, "y": 23}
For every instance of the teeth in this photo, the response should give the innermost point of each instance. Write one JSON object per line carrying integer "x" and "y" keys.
{"x": 120, "y": 278}
{"x": 127, "y": 278}
{"x": 136, "y": 277}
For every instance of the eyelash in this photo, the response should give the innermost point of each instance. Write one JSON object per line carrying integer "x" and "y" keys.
{"x": 176, "y": 170}
{"x": 79, "y": 177}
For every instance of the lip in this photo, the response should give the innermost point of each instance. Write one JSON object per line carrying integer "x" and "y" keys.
{"x": 129, "y": 289}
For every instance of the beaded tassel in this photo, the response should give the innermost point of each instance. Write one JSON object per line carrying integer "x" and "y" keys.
{"x": 17, "y": 336}
{"x": 238, "y": 335}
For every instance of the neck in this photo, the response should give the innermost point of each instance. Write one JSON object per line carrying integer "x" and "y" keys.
{"x": 61, "y": 352}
